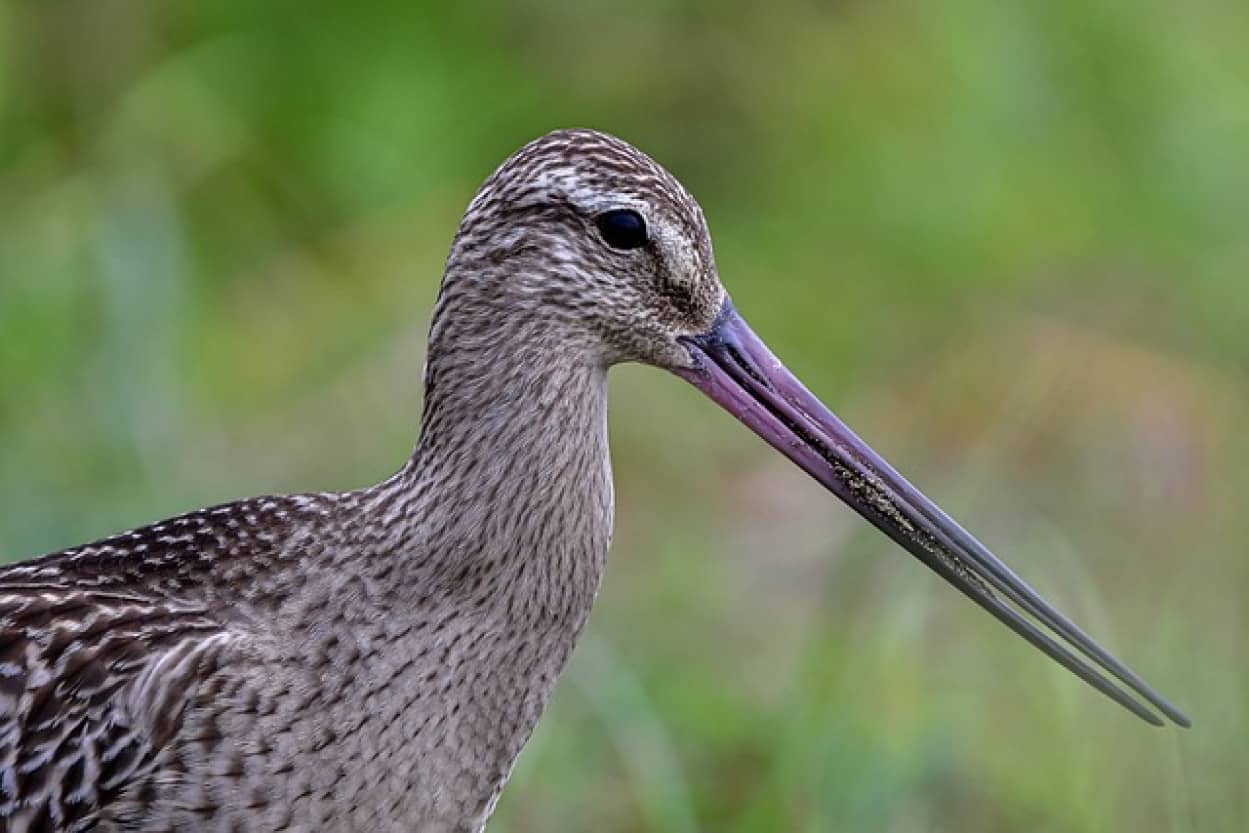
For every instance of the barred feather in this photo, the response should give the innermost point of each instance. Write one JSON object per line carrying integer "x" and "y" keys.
{"x": 371, "y": 660}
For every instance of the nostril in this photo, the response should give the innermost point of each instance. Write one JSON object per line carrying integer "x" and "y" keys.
{"x": 746, "y": 367}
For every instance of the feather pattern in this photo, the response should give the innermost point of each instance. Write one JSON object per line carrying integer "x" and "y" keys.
{"x": 370, "y": 660}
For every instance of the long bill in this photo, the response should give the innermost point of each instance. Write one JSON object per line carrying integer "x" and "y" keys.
{"x": 737, "y": 370}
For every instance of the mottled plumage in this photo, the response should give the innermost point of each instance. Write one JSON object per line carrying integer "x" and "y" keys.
{"x": 370, "y": 660}
{"x": 375, "y": 660}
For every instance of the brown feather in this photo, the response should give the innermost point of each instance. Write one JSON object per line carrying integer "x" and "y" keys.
{"x": 370, "y": 660}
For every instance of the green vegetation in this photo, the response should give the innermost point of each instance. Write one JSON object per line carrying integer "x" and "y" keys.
{"x": 1009, "y": 242}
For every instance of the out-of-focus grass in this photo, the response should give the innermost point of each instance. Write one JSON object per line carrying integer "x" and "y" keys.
{"x": 1007, "y": 241}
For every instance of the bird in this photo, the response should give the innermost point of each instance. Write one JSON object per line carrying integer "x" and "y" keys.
{"x": 374, "y": 660}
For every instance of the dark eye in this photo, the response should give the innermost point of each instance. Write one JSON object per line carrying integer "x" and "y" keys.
{"x": 622, "y": 229}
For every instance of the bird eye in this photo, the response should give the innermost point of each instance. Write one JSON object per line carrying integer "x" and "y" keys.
{"x": 622, "y": 228}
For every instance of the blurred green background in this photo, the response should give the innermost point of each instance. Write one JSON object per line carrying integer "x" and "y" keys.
{"x": 1007, "y": 241}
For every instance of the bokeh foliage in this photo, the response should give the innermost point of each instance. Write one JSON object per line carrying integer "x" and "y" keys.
{"x": 1007, "y": 240}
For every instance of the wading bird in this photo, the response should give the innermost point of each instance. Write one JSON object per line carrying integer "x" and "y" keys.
{"x": 374, "y": 660}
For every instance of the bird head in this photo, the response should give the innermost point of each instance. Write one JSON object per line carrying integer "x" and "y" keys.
{"x": 580, "y": 237}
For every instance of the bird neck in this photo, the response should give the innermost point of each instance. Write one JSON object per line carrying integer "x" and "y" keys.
{"x": 508, "y": 496}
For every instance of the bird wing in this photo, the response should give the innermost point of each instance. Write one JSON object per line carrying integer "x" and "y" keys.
{"x": 92, "y": 685}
